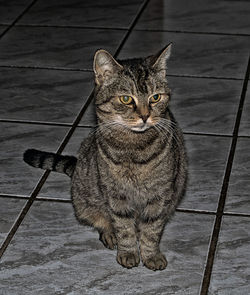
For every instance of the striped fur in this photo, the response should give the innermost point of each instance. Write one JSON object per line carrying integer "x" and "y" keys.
{"x": 50, "y": 161}
{"x": 131, "y": 171}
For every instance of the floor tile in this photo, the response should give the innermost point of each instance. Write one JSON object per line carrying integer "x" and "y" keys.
{"x": 2, "y": 28}
{"x": 16, "y": 176}
{"x": 9, "y": 210}
{"x": 199, "y": 105}
{"x": 52, "y": 253}
{"x": 197, "y": 16}
{"x": 193, "y": 54}
{"x": 238, "y": 196}
{"x": 58, "y": 185}
{"x": 43, "y": 95}
{"x": 231, "y": 268}
{"x": 56, "y": 47}
{"x": 10, "y": 10}
{"x": 245, "y": 119}
{"x": 207, "y": 161}
{"x": 100, "y": 13}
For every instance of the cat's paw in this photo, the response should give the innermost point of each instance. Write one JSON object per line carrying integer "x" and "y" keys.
{"x": 108, "y": 239}
{"x": 127, "y": 259}
{"x": 157, "y": 262}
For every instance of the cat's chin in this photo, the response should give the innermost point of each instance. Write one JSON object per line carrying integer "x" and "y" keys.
{"x": 140, "y": 129}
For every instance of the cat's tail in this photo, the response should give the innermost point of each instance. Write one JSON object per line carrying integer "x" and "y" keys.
{"x": 50, "y": 161}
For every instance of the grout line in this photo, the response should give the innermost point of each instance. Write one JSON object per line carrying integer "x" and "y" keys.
{"x": 124, "y": 29}
{"x": 60, "y": 200}
{"x": 206, "y": 134}
{"x": 196, "y": 211}
{"x": 25, "y": 197}
{"x": 91, "y": 71}
{"x": 13, "y": 196}
{"x": 223, "y": 194}
{"x": 71, "y": 27}
{"x": 204, "y": 77}
{"x": 60, "y": 124}
{"x": 18, "y": 18}
{"x": 142, "y": 8}
{"x": 47, "y": 68}
{"x": 67, "y": 137}
{"x": 20, "y": 121}
{"x": 193, "y": 32}
{"x": 235, "y": 214}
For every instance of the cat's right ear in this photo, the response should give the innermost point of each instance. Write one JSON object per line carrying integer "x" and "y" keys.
{"x": 105, "y": 67}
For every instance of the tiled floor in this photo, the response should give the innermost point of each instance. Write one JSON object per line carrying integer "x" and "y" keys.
{"x": 46, "y": 52}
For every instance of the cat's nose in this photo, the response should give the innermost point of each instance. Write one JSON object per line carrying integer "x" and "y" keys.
{"x": 144, "y": 117}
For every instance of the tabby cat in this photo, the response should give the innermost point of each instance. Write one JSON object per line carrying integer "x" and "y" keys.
{"x": 131, "y": 172}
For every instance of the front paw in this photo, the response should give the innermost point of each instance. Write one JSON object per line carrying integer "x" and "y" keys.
{"x": 108, "y": 239}
{"x": 127, "y": 259}
{"x": 156, "y": 262}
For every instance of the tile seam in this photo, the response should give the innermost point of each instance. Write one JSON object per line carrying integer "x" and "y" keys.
{"x": 61, "y": 124}
{"x": 91, "y": 71}
{"x": 61, "y": 200}
{"x": 194, "y": 32}
{"x": 124, "y": 29}
{"x": 11, "y": 25}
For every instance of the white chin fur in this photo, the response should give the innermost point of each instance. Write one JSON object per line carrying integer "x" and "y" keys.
{"x": 140, "y": 128}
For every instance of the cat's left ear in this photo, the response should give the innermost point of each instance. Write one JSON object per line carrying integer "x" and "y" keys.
{"x": 160, "y": 60}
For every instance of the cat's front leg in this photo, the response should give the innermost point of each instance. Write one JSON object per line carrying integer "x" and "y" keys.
{"x": 150, "y": 236}
{"x": 127, "y": 250}
{"x": 125, "y": 231}
{"x": 151, "y": 226}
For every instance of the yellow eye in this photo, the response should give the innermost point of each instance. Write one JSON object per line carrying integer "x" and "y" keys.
{"x": 155, "y": 98}
{"x": 126, "y": 99}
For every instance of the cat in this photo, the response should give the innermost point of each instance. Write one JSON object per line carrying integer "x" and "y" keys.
{"x": 131, "y": 172}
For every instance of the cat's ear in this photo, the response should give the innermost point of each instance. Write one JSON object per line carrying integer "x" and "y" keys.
{"x": 105, "y": 67}
{"x": 160, "y": 60}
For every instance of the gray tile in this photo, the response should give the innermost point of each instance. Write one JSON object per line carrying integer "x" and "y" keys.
{"x": 100, "y": 13}
{"x": 56, "y": 47}
{"x": 2, "y": 28}
{"x": 52, "y": 253}
{"x": 9, "y": 210}
{"x": 10, "y": 10}
{"x": 199, "y": 105}
{"x": 16, "y": 176}
{"x": 194, "y": 54}
{"x": 197, "y": 16}
{"x": 245, "y": 119}
{"x": 43, "y": 95}
{"x": 58, "y": 185}
{"x": 207, "y": 161}
{"x": 231, "y": 270}
{"x": 238, "y": 196}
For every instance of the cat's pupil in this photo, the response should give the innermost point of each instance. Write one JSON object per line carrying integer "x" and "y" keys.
{"x": 156, "y": 96}
{"x": 126, "y": 98}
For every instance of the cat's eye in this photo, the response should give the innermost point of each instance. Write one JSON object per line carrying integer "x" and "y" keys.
{"x": 155, "y": 98}
{"x": 125, "y": 99}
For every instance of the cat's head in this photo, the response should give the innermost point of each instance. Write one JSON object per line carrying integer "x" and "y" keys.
{"x": 131, "y": 94}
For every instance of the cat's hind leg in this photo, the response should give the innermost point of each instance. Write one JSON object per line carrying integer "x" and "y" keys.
{"x": 101, "y": 221}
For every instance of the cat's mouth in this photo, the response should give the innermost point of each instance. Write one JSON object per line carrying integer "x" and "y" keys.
{"x": 141, "y": 127}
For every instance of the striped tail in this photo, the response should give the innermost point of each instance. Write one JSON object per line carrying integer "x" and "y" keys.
{"x": 50, "y": 161}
